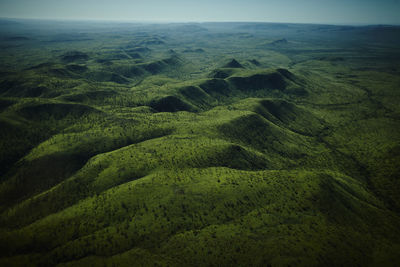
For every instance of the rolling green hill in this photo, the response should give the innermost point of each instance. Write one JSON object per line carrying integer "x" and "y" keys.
{"x": 212, "y": 144}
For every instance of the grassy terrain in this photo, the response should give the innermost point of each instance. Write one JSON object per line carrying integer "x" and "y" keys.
{"x": 213, "y": 144}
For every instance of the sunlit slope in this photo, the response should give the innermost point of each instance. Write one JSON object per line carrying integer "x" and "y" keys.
{"x": 231, "y": 184}
{"x": 217, "y": 214}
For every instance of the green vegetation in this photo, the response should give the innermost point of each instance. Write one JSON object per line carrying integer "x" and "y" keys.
{"x": 215, "y": 144}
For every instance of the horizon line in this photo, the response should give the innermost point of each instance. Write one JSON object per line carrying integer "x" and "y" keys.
{"x": 144, "y": 21}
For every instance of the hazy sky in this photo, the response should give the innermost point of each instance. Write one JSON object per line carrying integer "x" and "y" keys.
{"x": 303, "y": 11}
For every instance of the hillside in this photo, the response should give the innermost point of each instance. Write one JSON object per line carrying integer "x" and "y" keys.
{"x": 213, "y": 144}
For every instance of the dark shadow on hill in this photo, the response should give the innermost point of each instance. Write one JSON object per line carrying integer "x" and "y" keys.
{"x": 222, "y": 73}
{"x": 233, "y": 64}
{"x": 289, "y": 115}
{"x": 171, "y": 104}
{"x": 53, "y": 111}
{"x": 162, "y": 65}
{"x": 74, "y": 56}
{"x": 16, "y": 88}
{"x": 259, "y": 82}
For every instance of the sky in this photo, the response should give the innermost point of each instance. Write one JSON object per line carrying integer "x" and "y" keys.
{"x": 295, "y": 11}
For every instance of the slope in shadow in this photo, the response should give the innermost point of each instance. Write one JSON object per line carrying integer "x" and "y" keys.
{"x": 74, "y": 56}
{"x": 289, "y": 115}
{"x": 233, "y": 64}
{"x": 162, "y": 65}
{"x": 171, "y": 104}
{"x": 56, "y": 111}
{"x": 259, "y": 82}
